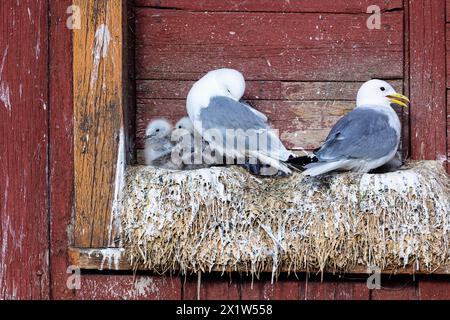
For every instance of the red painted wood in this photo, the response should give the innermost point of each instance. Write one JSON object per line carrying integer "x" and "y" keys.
{"x": 396, "y": 290}
{"x": 263, "y": 289}
{"x": 447, "y": 44}
{"x": 334, "y": 290}
{"x": 173, "y": 44}
{"x": 24, "y": 111}
{"x": 427, "y": 83}
{"x": 448, "y": 10}
{"x": 341, "y": 6}
{"x": 434, "y": 289}
{"x": 61, "y": 148}
{"x": 405, "y": 143}
{"x": 118, "y": 287}
{"x": 212, "y": 287}
{"x": 448, "y": 124}
{"x": 261, "y": 90}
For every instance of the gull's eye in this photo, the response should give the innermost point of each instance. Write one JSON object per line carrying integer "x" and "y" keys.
{"x": 157, "y": 130}
{"x": 383, "y": 89}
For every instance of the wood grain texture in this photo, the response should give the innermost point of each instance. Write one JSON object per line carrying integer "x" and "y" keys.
{"x": 337, "y": 6}
{"x": 434, "y": 289}
{"x": 447, "y": 10}
{"x": 212, "y": 287}
{"x": 24, "y": 107}
{"x": 61, "y": 146}
{"x": 261, "y": 90}
{"x": 335, "y": 290}
{"x": 126, "y": 287}
{"x": 174, "y": 44}
{"x": 397, "y": 289}
{"x": 427, "y": 79}
{"x": 285, "y": 288}
{"x": 405, "y": 143}
{"x": 98, "y": 117}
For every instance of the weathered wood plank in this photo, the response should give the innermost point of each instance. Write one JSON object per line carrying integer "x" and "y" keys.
{"x": 264, "y": 289}
{"x": 337, "y": 6}
{"x": 212, "y": 287}
{"x": 447, "y": 4}
{"x": 405, "y": 289}
{"x": 448, "y": 130}
{"x": 334, "y": 290}
{"x": 434, "y": 289}
{"x": 405, "y": 115}
{"x": 126, "y": 287}
{"x": 447, "y": 45}
{"x": 115, "y": 259}
{"x": 24, "y": 110}
{"x": 61, "y": 134}
{"x": 98, "y": 111}
{"x": 261, "y": 90}
{"x": 427, "y": 79}
{"x": 172, "y": 44}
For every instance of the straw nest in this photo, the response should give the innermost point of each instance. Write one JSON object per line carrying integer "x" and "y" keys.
{"x": 224, "y": 219}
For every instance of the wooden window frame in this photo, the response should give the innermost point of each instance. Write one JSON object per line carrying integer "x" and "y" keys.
{"x": 104, "y": 118}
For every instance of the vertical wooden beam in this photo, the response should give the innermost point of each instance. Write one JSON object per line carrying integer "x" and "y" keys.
{"x": 406, "y": 134}
{"x": 427, "y": 79}
{"x": 61, "y": 142}
{"x": 24, "y": 108}
{"x": 99, "y": 149}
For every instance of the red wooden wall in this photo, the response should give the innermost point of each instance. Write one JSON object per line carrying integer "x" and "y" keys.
{"x": 288, "y": 75}
{"x": 303, "y": 61}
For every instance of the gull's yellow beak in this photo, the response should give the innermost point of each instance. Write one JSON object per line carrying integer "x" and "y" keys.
{"x": 399, "y": 99}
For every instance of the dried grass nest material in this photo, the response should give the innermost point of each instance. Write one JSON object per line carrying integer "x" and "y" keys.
{"x": 224, "y": 219}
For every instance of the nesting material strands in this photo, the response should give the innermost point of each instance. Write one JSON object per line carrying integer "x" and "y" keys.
{"x": 224, "y": 219}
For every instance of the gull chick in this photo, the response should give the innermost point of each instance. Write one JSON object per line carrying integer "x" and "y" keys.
{"x": 189, "y": 147}
{"x": 158, "y": 145}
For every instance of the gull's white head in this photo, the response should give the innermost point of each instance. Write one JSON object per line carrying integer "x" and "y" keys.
{"x": 159, "y": 128}
{"x": 379, "y": 93}
{"x": 186, "y": 124}
{"x": 231, "y": 82}
{"x": 221, "y": 82}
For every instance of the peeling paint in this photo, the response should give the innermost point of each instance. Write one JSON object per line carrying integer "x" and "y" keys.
{"x": 4, "y": 88}
{"x": 5, "y": 96}
{"x": 115, "y": 222}
{"x": 101, "y": 46}
{"x": 144, "y": 286}
{"x": 110, "y": 256}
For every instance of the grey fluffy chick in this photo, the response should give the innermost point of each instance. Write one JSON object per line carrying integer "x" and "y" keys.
{"x": 189, "y": 148}
{"x": 158, "y": 146}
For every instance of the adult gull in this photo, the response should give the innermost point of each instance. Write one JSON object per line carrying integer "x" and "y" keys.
{"x": 367, "y": 137}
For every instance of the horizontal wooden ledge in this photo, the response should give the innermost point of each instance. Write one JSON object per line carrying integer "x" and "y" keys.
{"x": 113, "y": 259}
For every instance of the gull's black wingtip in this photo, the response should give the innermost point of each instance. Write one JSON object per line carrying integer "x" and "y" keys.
{"x": 300, "y": 162}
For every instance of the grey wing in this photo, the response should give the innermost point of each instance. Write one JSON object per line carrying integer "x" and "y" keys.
{"x": 257, "y": 112}
{"x": 224, "y": 113}
{"x": 361, "y": 134}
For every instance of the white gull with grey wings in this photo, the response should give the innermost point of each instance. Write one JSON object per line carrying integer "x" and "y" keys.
{"x": 214, "y": 106}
